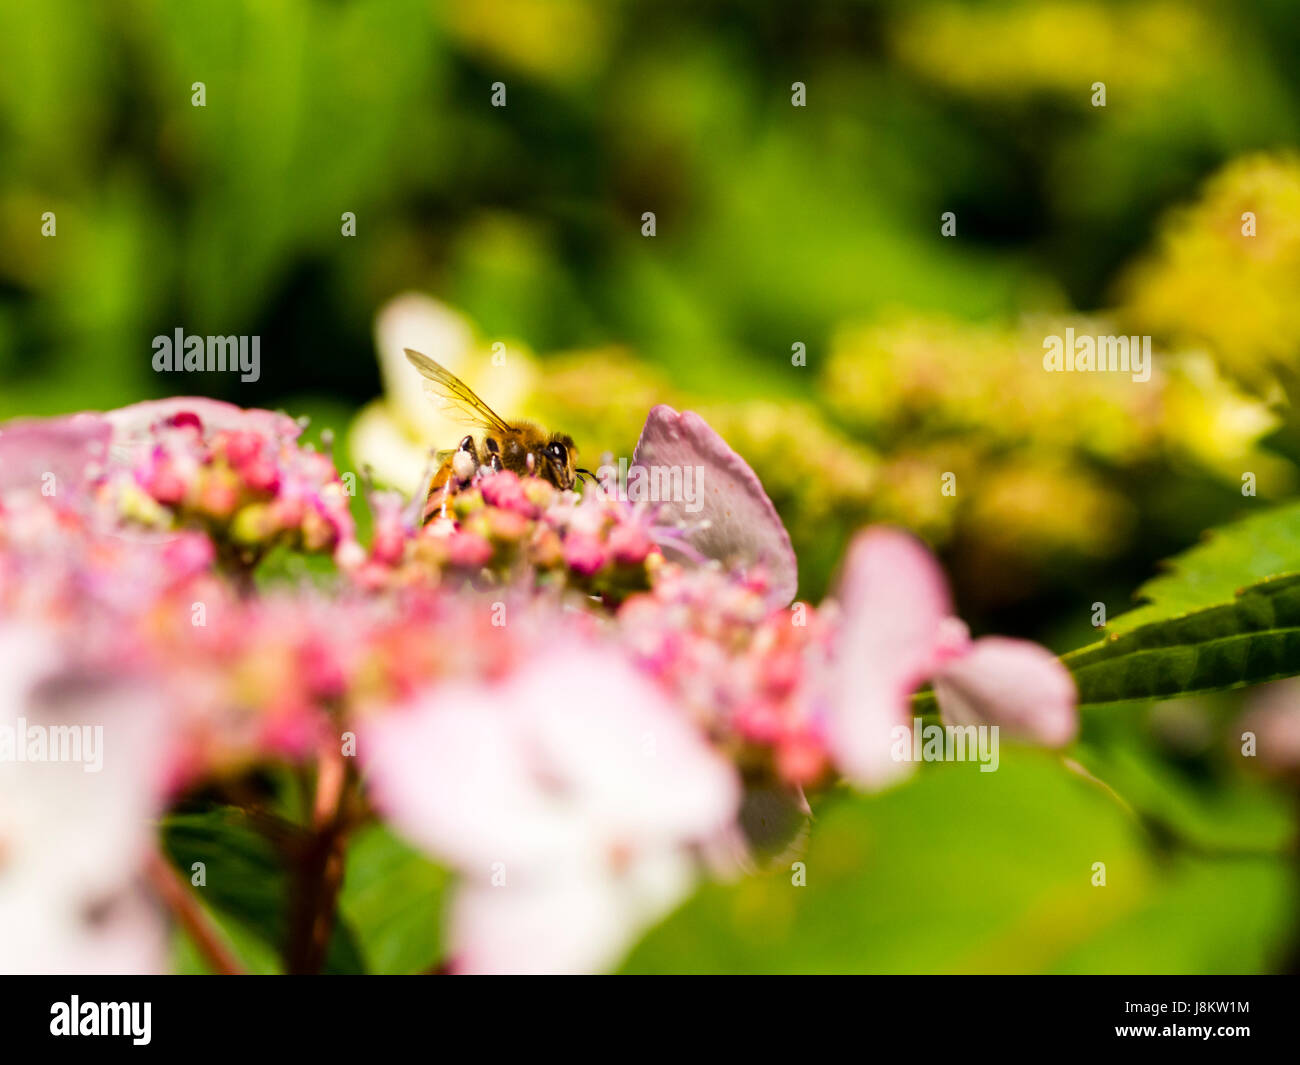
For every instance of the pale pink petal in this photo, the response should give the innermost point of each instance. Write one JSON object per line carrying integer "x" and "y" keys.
{"x": 573, "y": 746}
{"x": 124, "y": 934}
{"x": 87, "y": 820}
{"x": 730, "y": 517}
{"x": 625, "y": 752}
{"x": 1017, "y": 685}
{"x": 75, "y": 827}
{"x": 895, "y": 603}
{"x": 69, "y": 448}
{"x": 580, "y": 917}
{"x": 133, "y": 424}
{"x": 454, "y": 775}
{"x": 570, "y": 922}
{"x": 567, "y": 795}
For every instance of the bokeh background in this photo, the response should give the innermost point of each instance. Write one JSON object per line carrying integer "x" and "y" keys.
{"x": 776, "y": 225}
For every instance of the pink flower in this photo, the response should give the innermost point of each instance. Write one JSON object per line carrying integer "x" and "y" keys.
{"x": 137, "y": 423}
{"x": 239, "y": 474}
{"x": 897, "y": 632}
{"x": 736, "y": 522}
{"x": 567, "y": 795}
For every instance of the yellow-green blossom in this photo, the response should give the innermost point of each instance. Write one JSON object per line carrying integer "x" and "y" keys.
{"x": 1225, "y": 273}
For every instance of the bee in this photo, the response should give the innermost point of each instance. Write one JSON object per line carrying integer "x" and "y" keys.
{"x": 522, "y": 448}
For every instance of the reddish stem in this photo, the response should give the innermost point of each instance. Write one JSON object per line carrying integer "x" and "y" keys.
{"x": 189, "y": 914}
{"x": 319, "y": 871}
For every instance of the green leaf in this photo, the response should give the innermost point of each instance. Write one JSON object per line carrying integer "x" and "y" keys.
{"x": 1223, "y": 616}
{"x": 1250, "y": 640}
{"x": 254, "y": 955}
{"x": 393, "y": 898}
{"x": 286, "y": 566}
{"x": 964, "y": 871}
{"x": 247, "y": 881}
{"x": 1212, "y": 572}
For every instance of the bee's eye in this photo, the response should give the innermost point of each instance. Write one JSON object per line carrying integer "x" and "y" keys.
{"x": 557, "y": 451}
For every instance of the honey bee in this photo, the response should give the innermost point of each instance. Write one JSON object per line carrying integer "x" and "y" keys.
{"x": 522, "y": 448}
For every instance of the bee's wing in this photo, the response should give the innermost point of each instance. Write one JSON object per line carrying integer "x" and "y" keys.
{"x": 456, "y": 410}
{"x": 442, "y": 383}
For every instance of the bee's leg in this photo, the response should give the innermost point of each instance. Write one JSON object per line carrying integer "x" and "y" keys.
{"x": 494, "y": 454}
{"x": 436, "y": 502}
{"x": 464, "y": 462}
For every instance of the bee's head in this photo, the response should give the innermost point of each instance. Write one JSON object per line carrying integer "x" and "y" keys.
{"x": 560, "y": 457}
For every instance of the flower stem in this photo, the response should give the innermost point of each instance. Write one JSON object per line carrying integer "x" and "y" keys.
{"x": 1163, "y": 836}
{"x": 171, "y": 888}
{"x": 318, "y": 875}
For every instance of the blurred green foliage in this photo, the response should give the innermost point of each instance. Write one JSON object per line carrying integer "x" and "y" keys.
{"x": 775, "y": 224}
{"x": 881, "y": 892}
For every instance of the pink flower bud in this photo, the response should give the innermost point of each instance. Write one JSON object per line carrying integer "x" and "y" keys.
{"x": 289, "y": 731}
{"x": 218, "y": 496}
{"x": 508, "y": 525}
{"x": 781, "y": 672}
{"x": 318, "y": 532}
{"x": 801, "y": 760}
{"x": 467, "y": 550}
{"x": 185, "y": 419}
{"x": 322, "y": 673}
{"x": 629, "y": 544}
{"x": 162, "y": 481}
{"x": 545, "y": 549}
{"x": 758, "y": 721}
{"x": 389, "y": 544}
{"x": 188, "y": 554}
{"x": 583, "y": 553}
{"x": 505, "y": 490}
{"x": 260, "y": 474}
{"x": 288, "y": 510}
{"x": 240, "y": 446}
{"x": 539, "y": 492}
